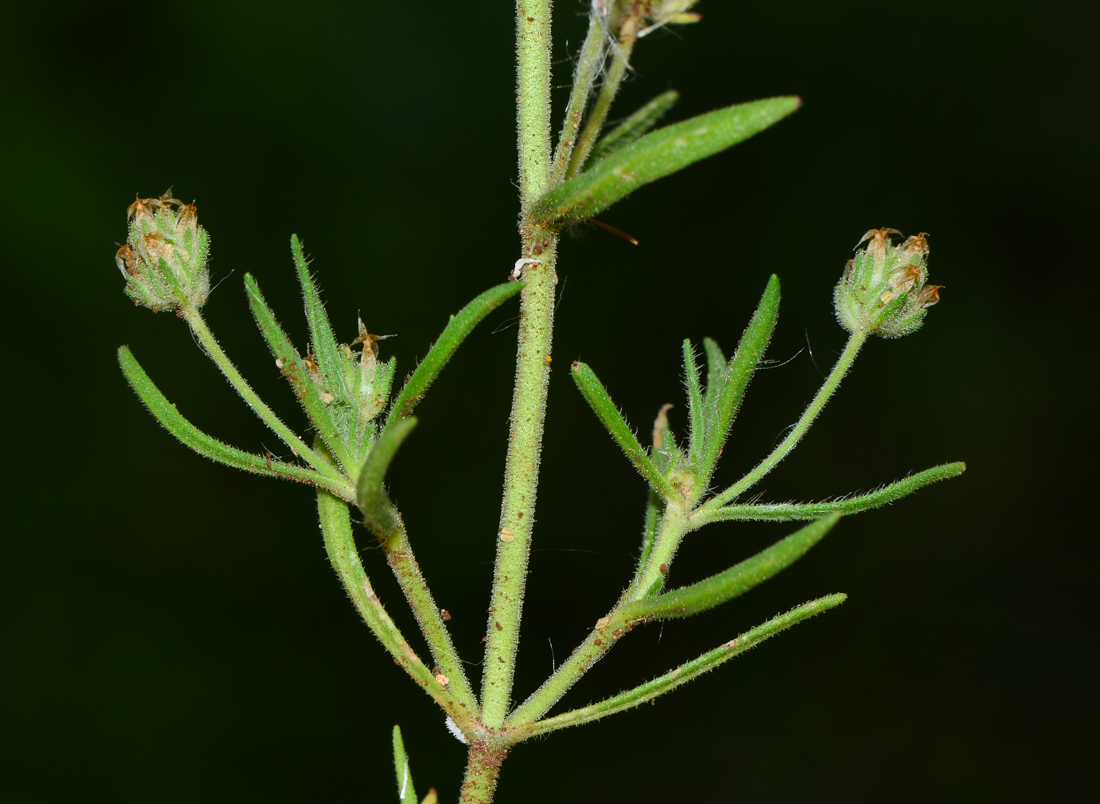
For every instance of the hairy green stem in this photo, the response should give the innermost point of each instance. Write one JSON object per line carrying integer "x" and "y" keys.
{"x": 676, "y": 525}
{"x": 843, "y": 364}
{"x": 600, "y": 640}
{"x": 532, "y": 367}
{"x": 533, "y": 51}
{"x": 400, "y": 557}
{"x": 681, "y": 675}
{"x": 342, "y": 552}
{"x": 482, "y": 773}
{"x": 382, "y": 518}
{"x": 520, "y": 487}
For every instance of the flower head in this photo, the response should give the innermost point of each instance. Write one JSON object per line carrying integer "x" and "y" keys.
{"x": 164, "y": 259}
{"x": 883, "y": 289}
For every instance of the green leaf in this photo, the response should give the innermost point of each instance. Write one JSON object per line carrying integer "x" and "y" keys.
{"x": 378, "y": 512}
{"x": 656, "y": 155}
{"x": 634, "y": 126}
{"x": 654, "y": 511}
{"x": 175, "y": 423}
{"x": 738, "y": 373}
{"x": 334, "y": 363}
{"x": 296, "y": 372}
{"x": 849, "y": 505}
{"x": 597, "y": 397}
{"x": 452, "y": 337}
{"x": 683, "y": 674}
{"x": 697, "y": 414}
{"x": 716, "y": 369}
{"x": 738, "y": 579}
{"x": 405, "y": 790}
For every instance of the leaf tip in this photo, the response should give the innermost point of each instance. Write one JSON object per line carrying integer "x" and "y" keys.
{"x": 772, "y": 291}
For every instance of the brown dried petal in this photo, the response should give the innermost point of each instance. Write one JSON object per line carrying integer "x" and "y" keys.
{"x": 928, "y": 295}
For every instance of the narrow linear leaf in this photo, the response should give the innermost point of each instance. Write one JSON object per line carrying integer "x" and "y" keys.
{"x": 294, "y": 369}
{"x": 850, "y": 505}
{"x": 659, "y": 154}
{"x": 406, "y": 793}
{"x": 378, "y": 511}
{"x": 634, "y": 126}
{"x": 451, "y": 338}
{"x": 739, "y": 372}
{"x": 330, "y": 359}
{"x": 738, "y": 579}
{"x": 696, "y": 410}
{"x": 208, "y": 446}
{"x": 598, "y": 399}
{"x": 654, "y": 511}
{"x": 716, "y": 369}
{"x": 685, "y": 673}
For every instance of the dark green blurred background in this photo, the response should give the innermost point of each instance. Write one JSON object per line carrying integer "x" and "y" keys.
{"x": 171, "y": 629}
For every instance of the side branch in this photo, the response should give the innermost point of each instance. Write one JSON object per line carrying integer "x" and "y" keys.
{"x": 344, "y": 555}
{"x": 681, "y": 675}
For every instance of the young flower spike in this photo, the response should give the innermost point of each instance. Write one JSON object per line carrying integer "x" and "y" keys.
{"x": 883, "y": 289}
{"x": 164, "y": 259}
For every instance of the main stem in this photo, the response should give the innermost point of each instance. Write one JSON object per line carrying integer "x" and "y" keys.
{"x": 536, "y": 326}
{"x": 533, "y": 45}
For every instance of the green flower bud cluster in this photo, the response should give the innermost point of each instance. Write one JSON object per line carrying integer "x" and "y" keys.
{"x": 164, "y": 259}
{"x": 355, "y": 390}
{"x": 883, "y": 289}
